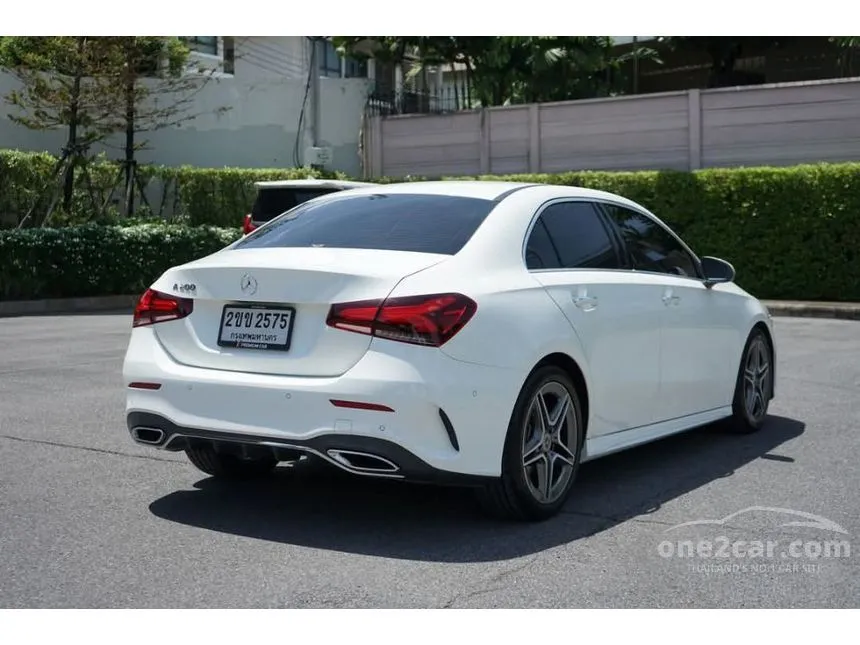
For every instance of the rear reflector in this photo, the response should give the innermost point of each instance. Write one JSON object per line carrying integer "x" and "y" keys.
{"x": 360, "y": 405}
{"x": 138, "y": 385}
{"x": 155, "y": 307}
{"x": 430, "y": 320}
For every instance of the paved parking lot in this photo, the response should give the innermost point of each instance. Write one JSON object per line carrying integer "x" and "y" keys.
{"x": 89, "y": 519}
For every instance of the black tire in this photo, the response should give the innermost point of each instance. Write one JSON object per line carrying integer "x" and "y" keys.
{"x": 743, "y": 419}
{"x": 228, "y": 466}
{"x": 511, "y": 496}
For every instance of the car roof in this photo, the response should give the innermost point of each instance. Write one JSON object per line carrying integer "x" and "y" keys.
{"x": 311, "y": 183}
{"x": 454, "y": 187}
{"x": 491, "y": 190}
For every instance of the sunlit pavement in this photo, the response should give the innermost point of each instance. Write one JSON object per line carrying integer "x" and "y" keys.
{"x": 89, "y": 519}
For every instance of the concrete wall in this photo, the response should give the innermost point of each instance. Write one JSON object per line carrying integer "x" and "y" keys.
{"x": 773, "y": 124}
{"x": 267, "y": 56}
{"x": 259, "y": 129}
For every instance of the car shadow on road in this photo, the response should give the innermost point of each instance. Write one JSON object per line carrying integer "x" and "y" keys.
{"x": 320, "y": 507}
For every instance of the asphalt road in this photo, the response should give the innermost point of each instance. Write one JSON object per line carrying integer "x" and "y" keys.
{"x": 89, "y": 519}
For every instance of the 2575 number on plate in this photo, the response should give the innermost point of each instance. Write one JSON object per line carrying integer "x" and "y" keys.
{"x": 256, "y": 327}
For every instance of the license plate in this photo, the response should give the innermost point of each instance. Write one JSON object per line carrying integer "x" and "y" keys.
{"x": 256, "y": 327}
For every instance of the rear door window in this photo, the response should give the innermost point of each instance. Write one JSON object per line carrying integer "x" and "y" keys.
{"x": 271, "y": 202}
{"x": 571, "y": 235}
{"x": 395, "y": 221}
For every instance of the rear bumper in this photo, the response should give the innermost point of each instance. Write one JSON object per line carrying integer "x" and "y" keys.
{"x": 465, "y": 439}
{"x": 386, "y": 458}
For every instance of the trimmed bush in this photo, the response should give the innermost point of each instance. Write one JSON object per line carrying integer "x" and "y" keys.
{"x": 790, "y": 232}
{"x": 98, "y": 260}
{"x": 23, "y": 178}
{"x": 222, "y": 196}
{"x": 210, "y": 196}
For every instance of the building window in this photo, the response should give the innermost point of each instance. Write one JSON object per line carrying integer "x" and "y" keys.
{"x": 202, "y": 44}
{"x": 329, "y": 61}
{"x": 332, "y": 65}
{"x": 229, "y": 55}
{"x": 355, "y": 68}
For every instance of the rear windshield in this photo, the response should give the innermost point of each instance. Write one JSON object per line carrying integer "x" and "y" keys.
{"x": 271, "y": 202}
{"x": 393, "y": 222}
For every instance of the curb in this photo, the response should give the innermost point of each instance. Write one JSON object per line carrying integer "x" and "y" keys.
{"x": 838, "y": 310}
{"x": 67, "y": 306}
{"x": 780, "y": 308}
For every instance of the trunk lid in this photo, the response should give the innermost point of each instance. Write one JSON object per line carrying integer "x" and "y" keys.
{"x": 278, "y": 298}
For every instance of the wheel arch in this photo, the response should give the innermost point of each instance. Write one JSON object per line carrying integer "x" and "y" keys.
{"x": 572, "y": 368}
{"x": 761, "y": 325}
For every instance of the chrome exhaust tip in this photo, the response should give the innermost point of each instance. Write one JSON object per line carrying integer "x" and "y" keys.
{"x": 362, "y": 462}
{"x": 149, "y": 436}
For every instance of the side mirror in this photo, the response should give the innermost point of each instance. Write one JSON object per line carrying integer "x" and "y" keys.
{"x": 717, "y": 271}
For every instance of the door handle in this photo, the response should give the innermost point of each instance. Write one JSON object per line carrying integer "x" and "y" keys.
{"x": 587, "y": 303}
{"x": 670, "y": 299}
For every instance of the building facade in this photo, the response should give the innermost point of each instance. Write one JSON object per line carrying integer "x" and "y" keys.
{"x": 257, "y": 111}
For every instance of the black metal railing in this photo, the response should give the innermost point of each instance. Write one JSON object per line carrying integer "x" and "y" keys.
{"x": 390, "y": 103}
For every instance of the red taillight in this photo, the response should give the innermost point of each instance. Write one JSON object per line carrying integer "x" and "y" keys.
{"x": 247, "y": 225}
{"x": 155, "y": 307}
{"x": 422, "y": 320}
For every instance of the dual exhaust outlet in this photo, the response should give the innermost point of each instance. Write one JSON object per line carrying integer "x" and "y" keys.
{"x": 362, "y": 462}
{"x": 349, "y": 460}
{"x": 149, "y": 436}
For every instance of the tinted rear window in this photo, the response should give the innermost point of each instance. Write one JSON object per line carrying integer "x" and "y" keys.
{"x": 395, "y": 222}
{"x": 271, "y": 202}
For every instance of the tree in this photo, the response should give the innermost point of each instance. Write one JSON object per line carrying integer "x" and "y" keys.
{"x": 848, "y": 47}
{"x": 419, "y": 51}
{"x": 724, "y": 52}
{"x": 539, "y": 69}
{"x": 152, "y": 87}
{"x": 510, "y": 69}
{"x": 100, "y": 86}
{"x": 63, "y": 85}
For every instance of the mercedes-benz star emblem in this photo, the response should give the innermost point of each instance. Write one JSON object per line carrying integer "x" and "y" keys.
{"x": 248, "y": 284}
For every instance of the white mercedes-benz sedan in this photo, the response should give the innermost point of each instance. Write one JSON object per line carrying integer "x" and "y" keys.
{"x": 484, "y": 334}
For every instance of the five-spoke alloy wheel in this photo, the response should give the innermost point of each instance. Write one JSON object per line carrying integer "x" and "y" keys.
{"x": 542, "y": 449}
{"x": 754, "y": 388}
{"x": 549, "y": 442}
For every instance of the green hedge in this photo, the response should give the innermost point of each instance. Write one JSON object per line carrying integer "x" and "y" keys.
{"x": 201, "y": 196}
{"x": 98, "y": 260}
{"x": 790, "y": 232}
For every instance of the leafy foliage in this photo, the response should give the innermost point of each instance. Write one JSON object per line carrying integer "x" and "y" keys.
{"x": 725, "y": 51}
{"x": 152, "y": 87}
{"x": 790, "y": 232}
{"x": 98, "y": 260}
{"x": 510, "y": 69}
{"x": 99, "y": 86}
{"x": 221, "y": 197}
{"x": 152, "y": 83}
{"x": 64, "y": 84}
{"x": 199, "y": 195}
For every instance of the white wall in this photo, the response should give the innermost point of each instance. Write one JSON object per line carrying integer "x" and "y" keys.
{"x": 267, "y": 56}
{"x": 259, "y": 129}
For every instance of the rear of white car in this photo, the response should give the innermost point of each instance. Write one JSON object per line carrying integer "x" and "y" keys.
{"x": 294, "y": 340}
